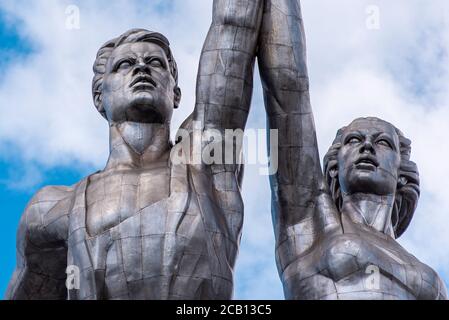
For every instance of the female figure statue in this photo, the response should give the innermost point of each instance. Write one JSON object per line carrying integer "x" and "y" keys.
{"x": 336, "y": 234}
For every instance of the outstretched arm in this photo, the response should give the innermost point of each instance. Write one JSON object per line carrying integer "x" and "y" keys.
{"x": 225, "y": 76}
{"x": 41, "y": 251}
{"x": 302, "y": 208}
{"x": 223, "y": 97}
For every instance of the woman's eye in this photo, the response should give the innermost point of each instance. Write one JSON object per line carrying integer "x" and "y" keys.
{"x": 353, "y": 140}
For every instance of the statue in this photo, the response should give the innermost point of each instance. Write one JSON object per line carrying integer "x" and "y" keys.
{"x": 336, "y": 234}
{"x": 146, "y": 227}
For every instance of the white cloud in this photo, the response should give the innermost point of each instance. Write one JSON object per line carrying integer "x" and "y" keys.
{"x": 399, "y": 73}
{"x": 46, "y": 99}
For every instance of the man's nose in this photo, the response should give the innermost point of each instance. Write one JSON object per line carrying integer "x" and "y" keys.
{"x": 142, "y": 67}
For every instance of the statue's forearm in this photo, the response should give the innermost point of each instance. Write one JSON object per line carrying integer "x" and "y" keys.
{"x": 283, "y": 69}
{"x": 298, "y": 185}
{"x": 41, "y": 262}
{"x": 30, "y": 284}
{"x": 225, "y": 76}
{"x": 26, "y": 285}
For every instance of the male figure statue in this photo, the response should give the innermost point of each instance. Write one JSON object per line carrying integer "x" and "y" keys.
{"x": 145, "y": 227}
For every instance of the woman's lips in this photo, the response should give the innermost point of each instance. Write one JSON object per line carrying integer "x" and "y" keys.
{"x": 367, "y": 164}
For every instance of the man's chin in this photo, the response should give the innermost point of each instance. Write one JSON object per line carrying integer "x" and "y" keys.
{"x": 142, "y": 97}
{"x": 144, "y": 113}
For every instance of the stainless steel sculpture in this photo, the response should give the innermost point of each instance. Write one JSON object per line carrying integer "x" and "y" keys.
{"x": 353, "y": 253}
{"x": 145, "y": 227}
{"x": 336, "y": 233}
{"x": 149, "y": 228}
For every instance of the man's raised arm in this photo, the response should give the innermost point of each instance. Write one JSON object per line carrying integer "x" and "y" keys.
{"x": 225, "y": 76}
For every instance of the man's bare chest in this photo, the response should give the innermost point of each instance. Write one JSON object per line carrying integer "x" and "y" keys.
{"x": 115, "y": 197}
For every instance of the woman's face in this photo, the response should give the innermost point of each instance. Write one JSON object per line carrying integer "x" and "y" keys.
{"x": 369, "y": 159}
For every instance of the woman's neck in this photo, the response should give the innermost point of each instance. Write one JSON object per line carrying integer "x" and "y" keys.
{"x": 371, "y": 210}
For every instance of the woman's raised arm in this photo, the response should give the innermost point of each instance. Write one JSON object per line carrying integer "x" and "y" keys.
{"x": 302, "y": 207}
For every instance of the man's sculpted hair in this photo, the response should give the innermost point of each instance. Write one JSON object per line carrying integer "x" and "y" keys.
{"x": 131, "y": 36}
{"x": 407, "y": 193}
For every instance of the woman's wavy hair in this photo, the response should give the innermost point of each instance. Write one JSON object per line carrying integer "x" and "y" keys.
{"x": 131, "y": 36}
{"x": 407, "y": 193}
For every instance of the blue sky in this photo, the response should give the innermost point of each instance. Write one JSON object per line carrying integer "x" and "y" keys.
{"x": 11, "y": 43}
{"x": 15, "y": 191}
{"x": 50, "y": 132}
{"x": 13, "y": 201}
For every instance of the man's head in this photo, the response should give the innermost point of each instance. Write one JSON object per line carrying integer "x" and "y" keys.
{"x": 136, "y": 78}
{"x": 372, "y": 156}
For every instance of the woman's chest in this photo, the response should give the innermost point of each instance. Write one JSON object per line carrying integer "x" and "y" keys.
{"x": 365, "y": 265}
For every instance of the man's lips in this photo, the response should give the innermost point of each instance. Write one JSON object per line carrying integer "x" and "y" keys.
{"x": 143, "y": 81}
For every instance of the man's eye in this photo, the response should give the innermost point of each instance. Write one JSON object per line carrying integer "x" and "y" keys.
{"x": 384, "y": 143}
{"x": 156, "y": 63}
{"x": 123, "y": 64}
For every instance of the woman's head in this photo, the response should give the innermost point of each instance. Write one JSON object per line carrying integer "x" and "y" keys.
{"x": 372, "y": 156}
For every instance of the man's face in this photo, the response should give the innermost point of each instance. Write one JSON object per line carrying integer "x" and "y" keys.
{"x": 369, "y": 159}
{"x": 138, "y": 85}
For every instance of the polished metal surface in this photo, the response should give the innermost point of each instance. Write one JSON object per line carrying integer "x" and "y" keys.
{"x": 146, "y": 227}
{"x": 336, "y": 233}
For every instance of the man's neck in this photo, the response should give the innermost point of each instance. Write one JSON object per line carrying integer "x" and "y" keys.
{"x": 371, "y": 210}
{"x": 138, "y": 145}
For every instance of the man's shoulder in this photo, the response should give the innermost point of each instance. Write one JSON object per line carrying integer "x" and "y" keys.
{"x": 51, "y": 197}
{"x": 48, "y": 212}
{"x": 52, "y": 194}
